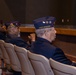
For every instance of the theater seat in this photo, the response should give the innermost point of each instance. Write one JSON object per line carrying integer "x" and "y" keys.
{"x": 25, "y": 63}
{"x": 14, "y": 61}
{"x": 62, "y": 69}
{"x": 40, "y": 64}
{"x": 1, "y": 54}
{"x": 4, "y": 53}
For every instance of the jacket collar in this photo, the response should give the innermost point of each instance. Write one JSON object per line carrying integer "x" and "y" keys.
{"x": 42, "y": 40}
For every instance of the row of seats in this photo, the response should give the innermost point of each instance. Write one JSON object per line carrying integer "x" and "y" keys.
{"x": 28, "y": 63}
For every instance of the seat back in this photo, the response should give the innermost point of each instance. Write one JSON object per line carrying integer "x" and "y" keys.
{"x": 4, "y": 53}
{"x": 40, "y": 64}
{"x": 1, "y": 54}
{"x": 25, "y": 63}
{"x": 62, "y": 69}
{"x": 14, "y": 61}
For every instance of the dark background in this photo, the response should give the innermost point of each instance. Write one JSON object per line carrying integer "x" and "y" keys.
{"x": 26, "y": 11}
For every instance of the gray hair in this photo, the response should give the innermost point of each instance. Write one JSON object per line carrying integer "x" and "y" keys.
{"x": 40, "y": 32}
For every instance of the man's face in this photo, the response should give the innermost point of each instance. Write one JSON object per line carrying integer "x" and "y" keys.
{"x": 52, "y": 34}
{"x": 13, "y": 30}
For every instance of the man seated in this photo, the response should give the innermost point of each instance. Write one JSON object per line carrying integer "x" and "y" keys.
{"x": 13, "y": 34}
{"x": 46, "y": 33}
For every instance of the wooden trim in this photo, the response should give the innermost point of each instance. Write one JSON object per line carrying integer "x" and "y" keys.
{"x": 62, "y": 31}
{"x": 71, "y": 57}
{"x": 66, "y": 31}
{"x": 27, "y": 29}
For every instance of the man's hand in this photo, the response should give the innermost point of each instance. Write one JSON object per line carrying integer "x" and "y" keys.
{"x": 32, "y": 36}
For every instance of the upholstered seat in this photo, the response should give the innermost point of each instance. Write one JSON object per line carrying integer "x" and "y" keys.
{"x": 25, "y": 63}
{"x": 40, "y": 64}
{"x": 4, "y": 53}
{"x": 62, "y": 69}
{"x": 1, "y": 54}
{"x": 14, "y": 61}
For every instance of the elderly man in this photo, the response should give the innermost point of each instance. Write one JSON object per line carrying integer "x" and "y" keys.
{"x": 13, "y": 34}
{"x": 46, "y": 33}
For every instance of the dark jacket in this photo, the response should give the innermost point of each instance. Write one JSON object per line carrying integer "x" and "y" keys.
{"x": 44, "y": 47}
{"x": 17, "y": 41}
{"x": 2, "y": 36}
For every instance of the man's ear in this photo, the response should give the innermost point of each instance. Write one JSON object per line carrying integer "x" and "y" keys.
{"x": 46, "y": 33}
